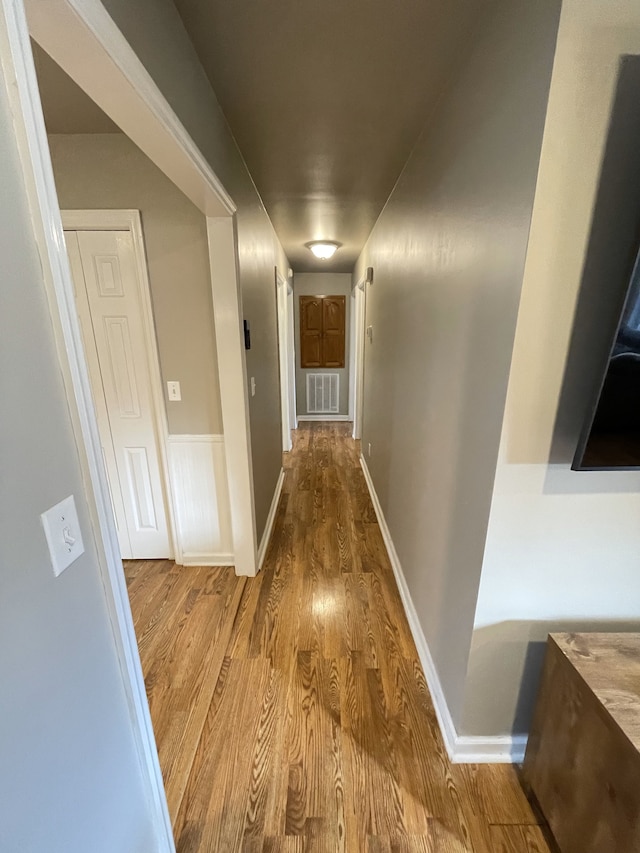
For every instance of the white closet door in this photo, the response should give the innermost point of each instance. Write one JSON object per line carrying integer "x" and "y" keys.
{"x": 105, "y": 277}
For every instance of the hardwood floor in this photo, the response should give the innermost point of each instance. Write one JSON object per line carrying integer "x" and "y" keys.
{"x": 290, "y": 710}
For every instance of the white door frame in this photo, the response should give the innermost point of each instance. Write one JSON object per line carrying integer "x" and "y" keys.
{"x": 232, "y": 373}
{"x": 356, "y": 358}
{"x": 83, "y": 39}
{"x": 282, "y": 300}
{"x": 130, "y": 220}
{"x": 291, "y": 349}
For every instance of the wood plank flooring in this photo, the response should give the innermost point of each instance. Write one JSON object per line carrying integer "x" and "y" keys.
{"x": 290, "y": 710}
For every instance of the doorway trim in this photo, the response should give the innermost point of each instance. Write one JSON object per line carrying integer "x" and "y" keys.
{"x": 282, "y": 312}
{"x": 82, "y": 38}
{"x": 291, "y": 345}
{"x": 227, "y": 316}
{"x": 356, "y": 361}
{"x": 131, "y": 221}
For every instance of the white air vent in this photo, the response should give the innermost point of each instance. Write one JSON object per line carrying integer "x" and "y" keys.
{"x": 323, "y": 392}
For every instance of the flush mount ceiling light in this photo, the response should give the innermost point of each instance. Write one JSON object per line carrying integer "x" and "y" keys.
{"x": 323, "y": 249}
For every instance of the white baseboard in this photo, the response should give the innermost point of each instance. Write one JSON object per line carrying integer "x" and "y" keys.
{"x": 268, "y": 528}
{"x": 191, "y": 559}
{"x": 324, "y": 418}
{"x": 461, "y": 749}
{"x": 508, "y": 749}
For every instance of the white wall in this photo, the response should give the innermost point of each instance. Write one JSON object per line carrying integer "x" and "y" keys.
{"x": 322, "y": 284}
{"x": 69, "y": 775}
{"x": 448, "y": 254}
{"x": 109, "y": 171}
{"x": 563, "y": 548}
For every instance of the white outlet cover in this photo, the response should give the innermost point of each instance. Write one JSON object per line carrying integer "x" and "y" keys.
{"x": 62, "y": 530}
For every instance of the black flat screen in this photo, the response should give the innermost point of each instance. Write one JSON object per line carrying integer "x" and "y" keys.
{"x": 611, "y": 438}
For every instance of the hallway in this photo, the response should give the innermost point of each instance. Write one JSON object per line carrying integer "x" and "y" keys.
{"x": 290, "y": 710}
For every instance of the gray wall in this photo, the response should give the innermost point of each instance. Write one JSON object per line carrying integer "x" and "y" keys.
{"x": 109, "y": 171}
{"x": 563, "y": 547}
{"x": 69, "y": 775}
{"x": 321, "y": 284}
{"x": 448, "y": 253}
{"x": 156, "y": 33}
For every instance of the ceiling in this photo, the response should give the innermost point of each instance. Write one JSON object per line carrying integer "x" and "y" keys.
{"x": 326, "y": 99}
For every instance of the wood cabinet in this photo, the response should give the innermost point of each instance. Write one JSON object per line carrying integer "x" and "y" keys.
{"x": 322, "y": 331}
{"x": 583, "y": 756}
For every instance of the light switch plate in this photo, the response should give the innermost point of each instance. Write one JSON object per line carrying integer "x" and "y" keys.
{"x": 253, "y": 386}
{"x": 173, "y": 391}
{"x": 62, "y": 529}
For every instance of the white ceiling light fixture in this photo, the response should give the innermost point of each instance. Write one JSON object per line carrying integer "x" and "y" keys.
{"x": 323, "y": 249}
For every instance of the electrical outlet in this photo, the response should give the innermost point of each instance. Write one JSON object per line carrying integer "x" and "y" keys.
{"x": 370, "y": 334}
{"x": 62, "y": 530}
{"x": 369, "y": 449}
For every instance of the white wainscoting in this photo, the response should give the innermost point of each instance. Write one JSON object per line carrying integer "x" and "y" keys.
{"x": 460, "y": 748}
{"x": 200, "y": 494}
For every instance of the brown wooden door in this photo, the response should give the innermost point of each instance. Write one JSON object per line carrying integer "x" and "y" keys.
{"x": 322, "y": 331}
{"x": 333, "y": 321}
{"x": 310, "y": 331}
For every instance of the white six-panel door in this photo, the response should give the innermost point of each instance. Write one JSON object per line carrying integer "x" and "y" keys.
{"x": 104, "y": 272}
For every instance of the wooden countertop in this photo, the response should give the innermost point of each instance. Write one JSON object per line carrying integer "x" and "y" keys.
{"x": 610, "y": 665}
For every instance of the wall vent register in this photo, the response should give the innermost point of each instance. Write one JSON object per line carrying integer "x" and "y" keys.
{"x": 323, "y": 393}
